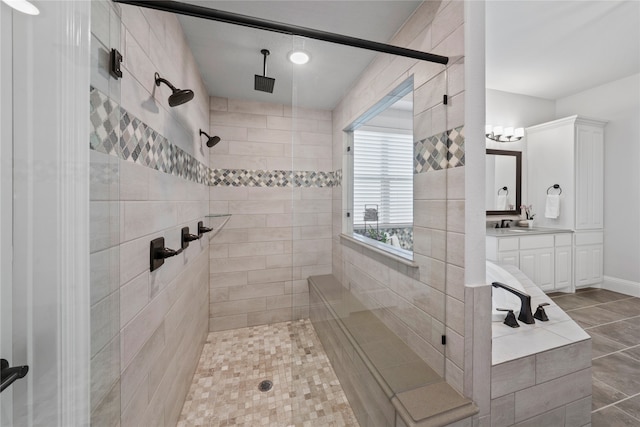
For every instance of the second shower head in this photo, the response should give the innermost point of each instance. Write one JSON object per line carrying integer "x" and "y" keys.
{"x": 211, "y": 140}
{"x": 179, "y": 96}
{"x": 264, "y": 83}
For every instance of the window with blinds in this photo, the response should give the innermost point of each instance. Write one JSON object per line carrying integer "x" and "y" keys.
{"x": 383, "y": 176}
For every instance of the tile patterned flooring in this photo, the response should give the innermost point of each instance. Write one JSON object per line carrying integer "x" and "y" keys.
{"x": 305, "y": 392}
{"x": 613, "y": 321}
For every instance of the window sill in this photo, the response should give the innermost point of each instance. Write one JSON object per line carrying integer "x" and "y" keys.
{"x": 397, "y": 254}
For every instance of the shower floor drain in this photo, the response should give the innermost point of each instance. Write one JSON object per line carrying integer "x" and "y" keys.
{"x": 265, "y": 385}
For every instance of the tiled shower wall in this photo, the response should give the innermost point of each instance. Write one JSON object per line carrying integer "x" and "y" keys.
{"x": 413, "y": 299}
{"x": 148, "y": 179}
{"x": 272, "y": 173}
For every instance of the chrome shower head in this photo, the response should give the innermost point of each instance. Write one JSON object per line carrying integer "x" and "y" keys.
{"x": 211, "y": 140}
{"x": 179, "y": 96}
{"x": 264, "y": 83}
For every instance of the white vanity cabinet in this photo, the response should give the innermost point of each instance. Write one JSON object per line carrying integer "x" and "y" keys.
{"x": 569, "y": 152}
{"x": 589, "y": 258}
{"x": 546, "y": 258}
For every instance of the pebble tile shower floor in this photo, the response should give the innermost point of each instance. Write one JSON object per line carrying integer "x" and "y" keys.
{"x": 306, "y": 391}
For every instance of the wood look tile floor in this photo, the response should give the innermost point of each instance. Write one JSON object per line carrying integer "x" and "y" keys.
{"x": 306, "y": 391}
{"x": 613, "y": 321}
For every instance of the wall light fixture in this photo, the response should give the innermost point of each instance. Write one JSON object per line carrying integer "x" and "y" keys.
{"x": 503, "y": 134}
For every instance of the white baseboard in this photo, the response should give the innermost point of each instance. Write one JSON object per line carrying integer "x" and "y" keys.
{"x": 623, "y": 286}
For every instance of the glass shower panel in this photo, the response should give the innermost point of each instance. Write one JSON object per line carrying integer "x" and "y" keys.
{"x": 104, "y": 227}
{"x": 378, "y": 312}
{"x": 44, "y": 320}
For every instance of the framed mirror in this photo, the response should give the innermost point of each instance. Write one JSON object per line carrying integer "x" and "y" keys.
{"x": 503, "y": 182}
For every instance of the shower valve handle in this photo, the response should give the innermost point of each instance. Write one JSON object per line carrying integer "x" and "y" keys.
{"x": 202, "y": 229}
{"x": 167, "y": 253}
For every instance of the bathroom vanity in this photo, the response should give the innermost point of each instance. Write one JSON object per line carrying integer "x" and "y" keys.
{"x": 543, "y": 254}
{"x": 563, "y": 157}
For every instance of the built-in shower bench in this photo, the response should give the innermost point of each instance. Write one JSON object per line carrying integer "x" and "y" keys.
{"x": 385, "y": 381}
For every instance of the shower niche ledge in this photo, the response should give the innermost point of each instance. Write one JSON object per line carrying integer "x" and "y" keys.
{"x": 216, "y": 223}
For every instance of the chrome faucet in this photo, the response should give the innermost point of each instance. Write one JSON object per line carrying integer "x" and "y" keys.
{"x": 525, "y": 302}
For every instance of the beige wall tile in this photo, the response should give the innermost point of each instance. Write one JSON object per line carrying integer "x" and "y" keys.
{"x": 562, "y": 361}
{"x": 105, "y": 321}
{"x": 431, "y": 185}
{"x": 255, "y": 107}
{"x": 552, "y": 394}
{"x": 237, "y": 307}
{"x": 134, "y": 295}
{"x": 512, "y": 376}
{"x": 238, "y": 119}
{"x": 223, "y": 323}
{"x": 430, "y": 213}
{"x": 503, "y": 411}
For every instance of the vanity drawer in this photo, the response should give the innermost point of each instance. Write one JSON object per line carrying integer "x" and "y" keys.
{"x": 589, "y": 238}
{"x": 508, "y": 244}
{"x": 536, "y": 242}
{"x": 563, "y": 239}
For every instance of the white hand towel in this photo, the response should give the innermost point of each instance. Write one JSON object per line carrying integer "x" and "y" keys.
{"x": 552, "y": 209}
{"x": 501, "y": 204}
{"x": 395, "y": 241}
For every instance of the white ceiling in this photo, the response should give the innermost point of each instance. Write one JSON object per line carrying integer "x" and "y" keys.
{"x": 552, "y": 49}
{"x": 228, "y": 56}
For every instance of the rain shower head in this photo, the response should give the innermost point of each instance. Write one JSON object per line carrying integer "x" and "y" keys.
{"x": 264, "y": 83}
{"x": 179, "y": 96}
{"x": 211, "y": 140}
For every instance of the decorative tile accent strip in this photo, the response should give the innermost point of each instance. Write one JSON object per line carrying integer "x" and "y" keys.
{"x": 456, "y": 147}
{"x": 277, "y": 178}
{"x": 337, "y": 178}
{"x": 440, "y": 151}
{"x": 430, "y": 153}
{"x": 104, "y": 115}
{"x": 139, "y": 143}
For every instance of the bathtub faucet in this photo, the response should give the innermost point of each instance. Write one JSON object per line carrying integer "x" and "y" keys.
{"x": 525, "y": 302}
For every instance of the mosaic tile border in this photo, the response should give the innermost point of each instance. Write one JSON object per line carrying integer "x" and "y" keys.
{"x": 139, "y": 143}
{"x": 276, "y": 178}
{"x": 441, "y": 151}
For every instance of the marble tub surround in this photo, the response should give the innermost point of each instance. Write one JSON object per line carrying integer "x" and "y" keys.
{"x": 541, "y": 373}
{"x": 391, "y": 383}
{"x": 513, "y": 343}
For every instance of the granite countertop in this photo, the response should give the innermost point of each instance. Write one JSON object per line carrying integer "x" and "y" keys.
{"x": 524, "y": 231}
{"x": 514, "y": 343}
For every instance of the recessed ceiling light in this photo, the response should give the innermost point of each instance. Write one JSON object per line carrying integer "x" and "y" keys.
{"x": 298, "y": 57}
{"x": 23, "y": 6}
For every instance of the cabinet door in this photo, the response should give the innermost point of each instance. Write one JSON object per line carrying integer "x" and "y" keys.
{"x": 538, "y": 265}
{"x": 563, "y": 267}
{"x": 510, "y": 258}
{"x": 588, "y": 265}
{"x": 589, "y": 177}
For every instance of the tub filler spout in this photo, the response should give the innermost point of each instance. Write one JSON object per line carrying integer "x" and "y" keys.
{"x": 525, "y": 302}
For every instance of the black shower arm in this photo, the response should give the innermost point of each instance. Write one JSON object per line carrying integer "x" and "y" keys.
{"x": 165, "y": 81}
{"x": 278, "y": 27}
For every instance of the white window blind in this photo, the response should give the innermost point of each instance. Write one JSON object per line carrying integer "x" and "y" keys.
{"x": 383, "y": 176}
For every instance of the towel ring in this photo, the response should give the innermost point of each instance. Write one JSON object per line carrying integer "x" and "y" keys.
{"x": 555, "y": 186}
{"x": 503, "y": 188}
